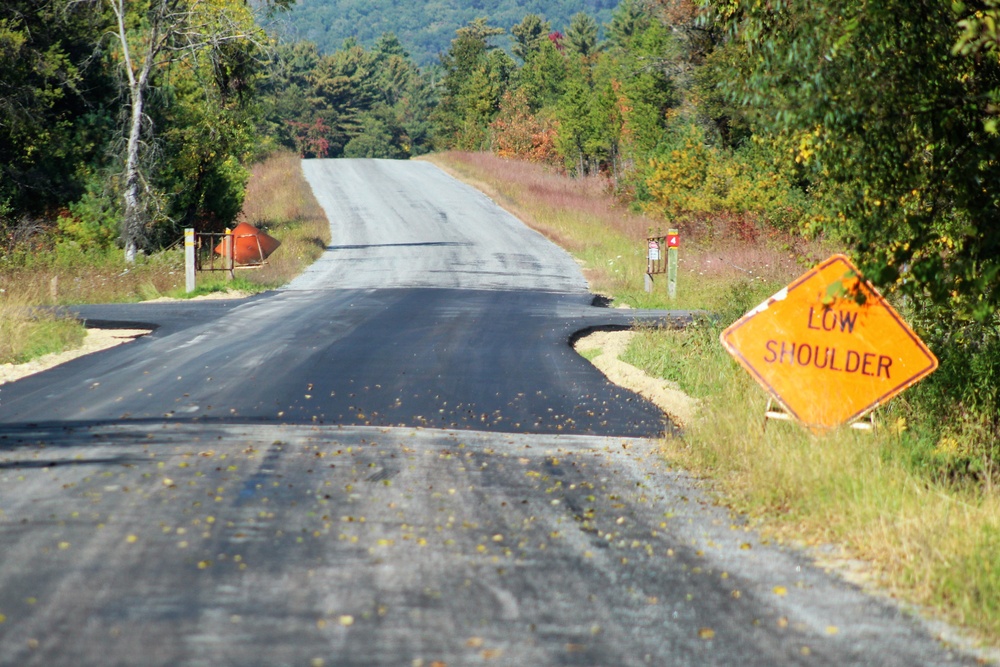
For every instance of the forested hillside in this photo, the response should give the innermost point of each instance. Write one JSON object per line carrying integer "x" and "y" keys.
{"x": 425, "y": 27}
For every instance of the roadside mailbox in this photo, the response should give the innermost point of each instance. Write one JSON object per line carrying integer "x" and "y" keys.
{"x": 829, "y": 348}
{"x": 658, "y": 261}
{"x": 655, "y": 261}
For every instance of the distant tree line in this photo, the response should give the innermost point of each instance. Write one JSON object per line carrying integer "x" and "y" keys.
{"x": 426, "y": 28}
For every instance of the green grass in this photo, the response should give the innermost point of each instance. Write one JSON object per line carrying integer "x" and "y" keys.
{"x": 26, "y": 333}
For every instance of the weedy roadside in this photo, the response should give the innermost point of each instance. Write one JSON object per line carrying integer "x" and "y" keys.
{"x": 47, "y": 272}
{"x": 927, "y": 538}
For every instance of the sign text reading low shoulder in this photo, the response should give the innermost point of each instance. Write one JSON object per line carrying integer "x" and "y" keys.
{"x": 829, "y": 347}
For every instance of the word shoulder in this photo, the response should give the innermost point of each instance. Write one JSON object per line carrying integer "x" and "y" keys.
{"x": 830, "y": 358}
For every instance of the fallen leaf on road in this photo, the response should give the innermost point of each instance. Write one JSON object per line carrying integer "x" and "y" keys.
{"x": 706, "y": 633}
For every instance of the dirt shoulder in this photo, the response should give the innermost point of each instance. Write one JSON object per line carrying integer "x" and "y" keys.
{"x": 663, "y": 394}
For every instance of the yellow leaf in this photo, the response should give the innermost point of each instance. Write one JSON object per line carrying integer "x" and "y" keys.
{"x": 706, "y": 633}
{"x": 474, "y": 642}
{"x": 346, "y": 620}
{"x": 131, "y": 539}
{"x": 780, "y": 591}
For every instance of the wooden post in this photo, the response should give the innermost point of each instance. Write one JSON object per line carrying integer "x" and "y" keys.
{"x": 229, "y": 252}
{"x": 189, "y": 275}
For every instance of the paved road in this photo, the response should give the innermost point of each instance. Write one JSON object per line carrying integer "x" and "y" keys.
{"x": 396, "y": 461}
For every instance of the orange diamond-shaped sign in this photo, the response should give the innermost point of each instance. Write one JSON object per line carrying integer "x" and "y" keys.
{"x": 829, "y": 347}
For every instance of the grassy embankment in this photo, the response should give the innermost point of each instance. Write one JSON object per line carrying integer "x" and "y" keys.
{"x": 932, "y": 542}
{"x": 48, "y": 272}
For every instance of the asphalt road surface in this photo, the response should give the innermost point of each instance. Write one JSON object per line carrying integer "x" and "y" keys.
{"x": 397, "y": 460}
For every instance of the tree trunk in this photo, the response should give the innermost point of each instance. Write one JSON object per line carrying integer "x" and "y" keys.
{"x": 134, "y": 220}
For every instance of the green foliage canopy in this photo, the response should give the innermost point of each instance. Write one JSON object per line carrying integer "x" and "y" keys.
{"x": 894, "y": 105}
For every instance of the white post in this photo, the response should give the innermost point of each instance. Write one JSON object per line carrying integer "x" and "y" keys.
{"x": 673, "y": 242}
{"x": 189, "y": 260}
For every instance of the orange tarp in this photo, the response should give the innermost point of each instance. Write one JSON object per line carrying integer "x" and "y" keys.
{"x": 250, "y": 245}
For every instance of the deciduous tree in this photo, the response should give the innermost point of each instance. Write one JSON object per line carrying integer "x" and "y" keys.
{"x": 150, "y": 37}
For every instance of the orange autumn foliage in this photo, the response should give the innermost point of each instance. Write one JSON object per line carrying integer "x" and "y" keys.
{"x": 518, "y": 133}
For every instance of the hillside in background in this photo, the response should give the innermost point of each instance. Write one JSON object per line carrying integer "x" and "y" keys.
{"x": 425, "y": 27}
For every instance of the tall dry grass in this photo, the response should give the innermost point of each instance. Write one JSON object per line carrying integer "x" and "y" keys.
{"x": 280, "y": 201}
{"x": 57, "y": 275}
{"x": 928, "y": 542}
{"x": 50, "y": 274}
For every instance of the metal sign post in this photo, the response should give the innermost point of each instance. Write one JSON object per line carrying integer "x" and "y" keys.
{"x": 673, "y": 242}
